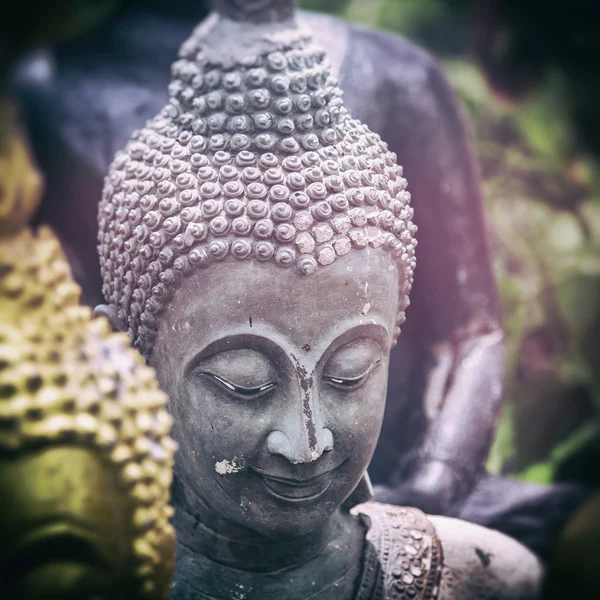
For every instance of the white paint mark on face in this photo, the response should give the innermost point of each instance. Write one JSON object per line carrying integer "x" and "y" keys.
{"x": 229, "y": 467}
{"x": 366, "y": 308}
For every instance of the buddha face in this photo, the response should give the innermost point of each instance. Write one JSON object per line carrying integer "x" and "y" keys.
{"x": 64, "y": 525}
{"x": 277, "y": 384}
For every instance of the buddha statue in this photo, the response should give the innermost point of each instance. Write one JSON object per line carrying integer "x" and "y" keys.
{"x": 257, "y": 243}
{"x": 445, "y": 385}
{"x": 85, "y": 456}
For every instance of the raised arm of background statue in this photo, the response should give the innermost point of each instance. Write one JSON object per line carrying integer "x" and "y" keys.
{"x": 454, "y": 300}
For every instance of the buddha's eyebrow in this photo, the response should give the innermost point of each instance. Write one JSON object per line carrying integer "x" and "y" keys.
{"x": 231, "y": 342}
{"x": 375, "y": 331}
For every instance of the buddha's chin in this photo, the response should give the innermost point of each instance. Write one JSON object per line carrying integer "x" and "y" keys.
{"x": 290, "y": 529}
{"x": 288, "y": 519}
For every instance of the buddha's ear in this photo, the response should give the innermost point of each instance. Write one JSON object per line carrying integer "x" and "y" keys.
{"x": 110, "y": 312}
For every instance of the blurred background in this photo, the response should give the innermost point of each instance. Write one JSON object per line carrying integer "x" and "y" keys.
{"x": 528, "y": 76}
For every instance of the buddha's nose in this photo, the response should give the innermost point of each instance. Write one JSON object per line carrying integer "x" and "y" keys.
{"x": 295, "y": 447}
{"x": 301, "y": 437}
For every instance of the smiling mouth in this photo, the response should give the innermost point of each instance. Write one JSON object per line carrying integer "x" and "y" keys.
{"x": 294, "y": 490}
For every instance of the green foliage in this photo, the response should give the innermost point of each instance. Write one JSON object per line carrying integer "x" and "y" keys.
{"x": 334, "y": 7}
{"x": 405, "y": 16}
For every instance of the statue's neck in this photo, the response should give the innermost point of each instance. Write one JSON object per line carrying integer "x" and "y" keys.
{"x": 205, "y": 533}
{"x": 250, "y": 554}
{"x": 218, "y": 558}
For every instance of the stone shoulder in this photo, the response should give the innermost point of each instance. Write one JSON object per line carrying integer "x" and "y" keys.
{"x": 484, "y": 564}
{"x": 411, "y": 555}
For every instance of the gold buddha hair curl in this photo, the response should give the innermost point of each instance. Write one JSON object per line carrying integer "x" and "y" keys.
{"x": 66, "y": 379}
{"x": 253, "y": 157}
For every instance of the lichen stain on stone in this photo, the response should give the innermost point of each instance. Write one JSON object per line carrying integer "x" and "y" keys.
{"x": 484, "y": 557}
{"x": 229, "y": 467}
{"x": 306, "y": 382}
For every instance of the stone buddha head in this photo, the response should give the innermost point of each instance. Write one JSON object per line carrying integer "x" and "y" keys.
{"x": 85, "y": 456}
{"x": 257, "y": 244}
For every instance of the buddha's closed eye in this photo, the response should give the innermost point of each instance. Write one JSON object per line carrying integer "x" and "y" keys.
{"x": 351, "y": 383}
{"x": 249, "y": 393}
{"x": 351, "y": 365}
{"x": 243, "y": 373}
{"x": 249, "y": 374}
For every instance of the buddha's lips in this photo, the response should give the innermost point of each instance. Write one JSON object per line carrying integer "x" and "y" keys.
{"x": 296, "y": 490}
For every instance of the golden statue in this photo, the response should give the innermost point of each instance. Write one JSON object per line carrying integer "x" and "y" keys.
{"x": 85, "y": 454}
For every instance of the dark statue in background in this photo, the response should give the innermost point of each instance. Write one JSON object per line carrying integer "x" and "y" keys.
{"x": 446, "y": 374}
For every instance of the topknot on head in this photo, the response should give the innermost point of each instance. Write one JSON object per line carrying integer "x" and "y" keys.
{"x": 281, "y": 100}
